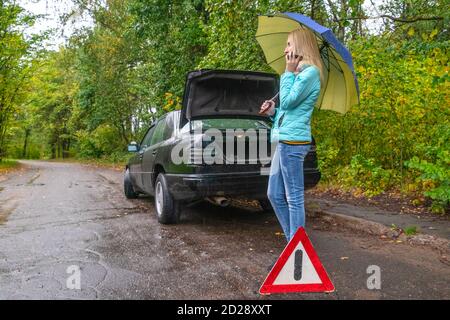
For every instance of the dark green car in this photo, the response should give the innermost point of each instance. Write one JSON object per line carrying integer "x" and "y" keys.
{"x": 216, "y": 147}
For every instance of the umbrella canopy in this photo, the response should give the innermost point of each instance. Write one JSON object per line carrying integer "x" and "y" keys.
{"x": 340, "y": 90}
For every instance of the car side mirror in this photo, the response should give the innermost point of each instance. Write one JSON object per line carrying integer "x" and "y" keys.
{"x": 133, "y": 147}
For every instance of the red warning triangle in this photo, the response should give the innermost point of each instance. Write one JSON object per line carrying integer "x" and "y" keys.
{"x": 298, "y": 269}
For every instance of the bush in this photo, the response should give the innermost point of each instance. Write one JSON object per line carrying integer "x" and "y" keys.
{"x": 430, "y": 168}
{"x": 101, "y": 142}
{"x": 435, "y": 178}
{"x": 364, "y": 174}
{"x": 327, "y": 156}
{"x": 403, "y": 113}
{"x": 117, "y": 157}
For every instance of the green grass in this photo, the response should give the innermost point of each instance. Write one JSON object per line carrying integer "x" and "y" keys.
{"x": 411, "y": 230}
{"x": 8, "y": 164}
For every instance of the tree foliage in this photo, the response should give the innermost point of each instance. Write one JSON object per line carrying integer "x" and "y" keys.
{"x": 102, "y": 89}
{"x": 16, "y": 56}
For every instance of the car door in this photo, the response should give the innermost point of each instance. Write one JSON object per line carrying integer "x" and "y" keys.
{"x": 150, "y": 154}
{"x": 137, "y": 171}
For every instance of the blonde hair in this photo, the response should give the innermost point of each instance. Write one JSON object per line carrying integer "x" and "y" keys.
{"x": 305, "y": 44}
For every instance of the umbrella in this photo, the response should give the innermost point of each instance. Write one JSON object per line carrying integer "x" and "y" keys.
{"x": 341, "y": 89}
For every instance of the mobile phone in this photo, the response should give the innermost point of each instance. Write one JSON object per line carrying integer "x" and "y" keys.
{"x": 296, "y": 56}
{"x": 265, "y": 109}
{"x": 268, "y": 105}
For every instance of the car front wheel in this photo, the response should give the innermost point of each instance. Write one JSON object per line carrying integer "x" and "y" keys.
{"x": 167, "y": 209}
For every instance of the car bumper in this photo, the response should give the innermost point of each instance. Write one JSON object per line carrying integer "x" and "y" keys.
{"x": 251, "y": 185}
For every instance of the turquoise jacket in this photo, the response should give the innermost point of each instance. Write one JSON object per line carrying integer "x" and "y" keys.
{"x": 298, "y": 96}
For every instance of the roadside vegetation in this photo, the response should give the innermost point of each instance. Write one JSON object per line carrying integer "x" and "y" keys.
{"x": 100, "y": 91}
{"x": 7, "y": 165}
{"x": 105, "y": 162}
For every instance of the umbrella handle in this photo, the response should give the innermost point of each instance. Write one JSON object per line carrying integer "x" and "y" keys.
{"x": 276, "y": 96}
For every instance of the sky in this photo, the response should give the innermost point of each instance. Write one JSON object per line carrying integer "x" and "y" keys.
{"x": 53, "y": 9}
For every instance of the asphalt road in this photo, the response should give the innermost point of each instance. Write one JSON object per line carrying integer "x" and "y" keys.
{"x": 57, "y": 215}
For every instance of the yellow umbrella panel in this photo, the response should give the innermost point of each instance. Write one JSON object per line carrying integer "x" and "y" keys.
{"x": 340, "y": 91}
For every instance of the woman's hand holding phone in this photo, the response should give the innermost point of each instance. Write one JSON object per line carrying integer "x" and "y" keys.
{"x": 292, "y": 61}
{"x": 267, "y": 107}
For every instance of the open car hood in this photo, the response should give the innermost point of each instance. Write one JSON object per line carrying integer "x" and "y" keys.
{"x": 227, "y": 93}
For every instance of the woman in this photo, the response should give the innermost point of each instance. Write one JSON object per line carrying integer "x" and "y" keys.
{"x": 300, "y": 87}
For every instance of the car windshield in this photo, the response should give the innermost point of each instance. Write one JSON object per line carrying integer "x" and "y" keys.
{"x": 225, "y": 123}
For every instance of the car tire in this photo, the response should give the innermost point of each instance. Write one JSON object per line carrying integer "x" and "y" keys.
{"x": 167, "y": 208}
{"x": 266, "y": 205}
{"x": 128, "y": 186}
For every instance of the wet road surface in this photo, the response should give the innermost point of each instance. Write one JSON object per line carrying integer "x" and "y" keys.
{"x": 57, "y": 215}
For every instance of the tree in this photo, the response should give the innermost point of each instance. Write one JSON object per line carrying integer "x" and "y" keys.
{"x": 16, "y": 56}
{"x": 173, "y": 42}
{"x": 51, "y": 99}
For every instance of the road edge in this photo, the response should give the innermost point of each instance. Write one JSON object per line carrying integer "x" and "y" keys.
{"x": 313, "y": 210}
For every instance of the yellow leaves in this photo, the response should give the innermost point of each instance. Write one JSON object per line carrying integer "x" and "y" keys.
{"x": 411, "y": 31}
{"x": 418, "y": 113}
{"x": 428, "y": 184}
{"x": 358, "y": 193}
{"x": 172, "y": 102}
{"x": 424, "y": 36}
{"x": 411, "y": 187}
{"x": 433, "y": 33}
{"x": 401, "y": 100}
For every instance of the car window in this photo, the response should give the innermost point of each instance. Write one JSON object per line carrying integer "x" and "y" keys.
{"x": 168, "y": 129}
{"x": 158, "y": 136}
{"x": 146, "y": 141}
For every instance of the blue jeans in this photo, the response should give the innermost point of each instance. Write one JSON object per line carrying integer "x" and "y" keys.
{"x": 286, "y": 186}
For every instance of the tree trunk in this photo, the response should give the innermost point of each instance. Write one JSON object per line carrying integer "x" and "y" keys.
{"x": 58, "y": 143}
{"x": 65, "y": 148}
{"x": 25, "y": 143}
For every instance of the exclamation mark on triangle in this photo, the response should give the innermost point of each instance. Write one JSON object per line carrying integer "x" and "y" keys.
{"x": 298, "y": 262}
